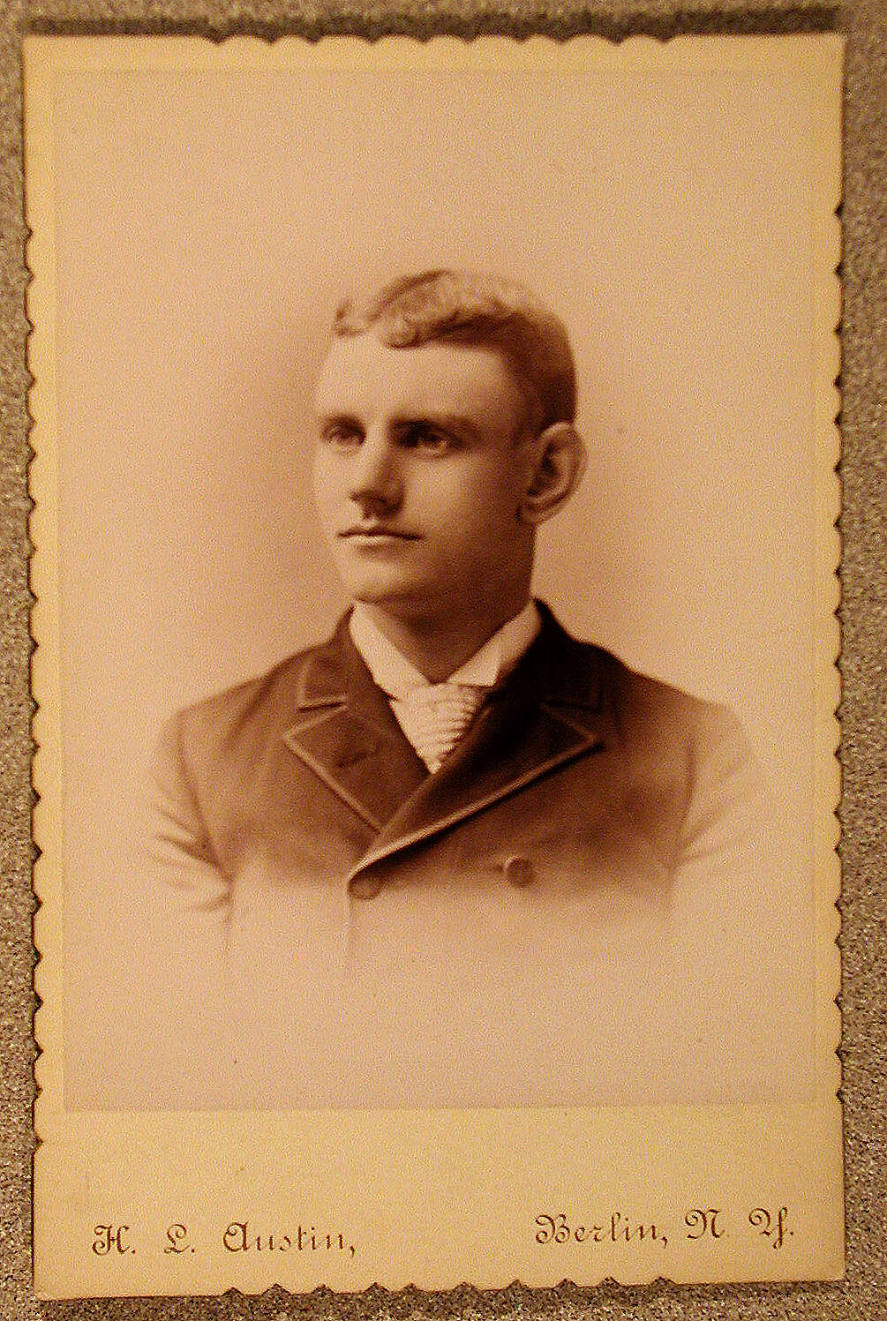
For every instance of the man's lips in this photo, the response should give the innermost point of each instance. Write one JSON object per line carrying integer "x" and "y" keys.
{"x": 380, "y": 531}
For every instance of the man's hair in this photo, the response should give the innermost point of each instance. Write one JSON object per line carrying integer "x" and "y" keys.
{"x": 460, "y": 307}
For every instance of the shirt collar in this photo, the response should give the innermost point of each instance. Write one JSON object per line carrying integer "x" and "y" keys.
{"x": 396, "y": 676}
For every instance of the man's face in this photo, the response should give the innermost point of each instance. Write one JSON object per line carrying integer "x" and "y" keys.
{"x": 420, "y": 466}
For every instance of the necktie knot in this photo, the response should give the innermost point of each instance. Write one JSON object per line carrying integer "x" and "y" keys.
{"x": 435, "y": 716}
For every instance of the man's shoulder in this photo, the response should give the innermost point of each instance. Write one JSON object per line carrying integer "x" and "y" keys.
{"x": 663, "y": 706}
{"x": 266, "y": 701}
{"x": 669, "y": 734}
{"x": 644, "y": 708}
{"x": 681, "y": 757}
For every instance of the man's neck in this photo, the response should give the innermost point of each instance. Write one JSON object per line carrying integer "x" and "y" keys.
{"x": 437, "y": 652}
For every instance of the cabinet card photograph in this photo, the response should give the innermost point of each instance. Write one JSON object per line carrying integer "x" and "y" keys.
{"x": 435, "y": 573}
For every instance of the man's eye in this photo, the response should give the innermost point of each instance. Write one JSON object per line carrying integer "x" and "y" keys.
{"x": 341, "y": 437}
{"x": 427, "y": 440}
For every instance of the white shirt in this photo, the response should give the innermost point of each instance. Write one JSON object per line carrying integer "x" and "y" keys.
{"x": 434, "y": 716}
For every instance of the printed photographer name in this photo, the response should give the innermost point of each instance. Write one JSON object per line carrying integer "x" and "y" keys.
{"x": 119, "y": 1240}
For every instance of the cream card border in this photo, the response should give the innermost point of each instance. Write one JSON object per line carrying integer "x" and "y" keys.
{"x": 430, "y": 1198}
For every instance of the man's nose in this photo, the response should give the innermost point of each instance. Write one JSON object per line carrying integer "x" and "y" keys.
{"x": 375, "y": 472}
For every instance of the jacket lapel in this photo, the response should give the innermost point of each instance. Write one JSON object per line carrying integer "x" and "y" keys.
{"x": 347, "y": 735}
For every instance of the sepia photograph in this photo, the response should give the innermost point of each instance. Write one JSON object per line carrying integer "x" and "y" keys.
{"x": 453, "y": 855}
{"x": 435, "y": 560}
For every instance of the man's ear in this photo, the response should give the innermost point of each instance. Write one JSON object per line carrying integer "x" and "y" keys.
{"x": 557, "y": 467}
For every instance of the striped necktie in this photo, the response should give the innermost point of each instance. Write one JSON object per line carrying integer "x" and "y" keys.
{"x": 435, "y": 716}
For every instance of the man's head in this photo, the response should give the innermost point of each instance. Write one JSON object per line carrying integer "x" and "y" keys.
{"x": 445, "y": 436}
{"x": 482, "y": 311}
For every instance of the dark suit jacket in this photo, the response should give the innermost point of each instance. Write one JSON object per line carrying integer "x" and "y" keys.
{"x": 575, "y": 761}
{"x": 585, "y": 845}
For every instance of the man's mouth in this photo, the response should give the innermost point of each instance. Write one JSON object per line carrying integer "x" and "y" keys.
{"x": 377, "y": 530}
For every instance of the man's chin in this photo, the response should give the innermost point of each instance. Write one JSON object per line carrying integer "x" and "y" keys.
{"x": 401, "y": 601}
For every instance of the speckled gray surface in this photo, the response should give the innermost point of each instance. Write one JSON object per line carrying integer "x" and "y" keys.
{"x": 864, "y": 615}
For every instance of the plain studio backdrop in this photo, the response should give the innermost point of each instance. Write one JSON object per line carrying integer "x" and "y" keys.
{"x": 207, "y": 225}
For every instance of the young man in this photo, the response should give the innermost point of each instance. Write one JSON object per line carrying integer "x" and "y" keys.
{"x": 454, "y": 856}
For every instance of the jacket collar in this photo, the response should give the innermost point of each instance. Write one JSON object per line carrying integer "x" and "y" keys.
{"x": 549, "y": 711}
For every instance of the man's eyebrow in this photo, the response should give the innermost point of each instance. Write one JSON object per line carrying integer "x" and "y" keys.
{"x": 446, "y": 421}
{"x": 327, "y": 416}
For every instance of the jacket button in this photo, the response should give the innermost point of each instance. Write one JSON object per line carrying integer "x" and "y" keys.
{"x": 518, "y": 871}
{"x": 364, "y": 887}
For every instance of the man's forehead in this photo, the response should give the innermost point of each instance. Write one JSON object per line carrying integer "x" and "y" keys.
{"x": 361, "y": 371}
